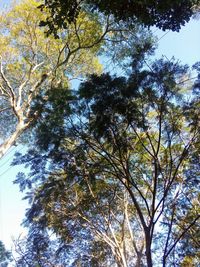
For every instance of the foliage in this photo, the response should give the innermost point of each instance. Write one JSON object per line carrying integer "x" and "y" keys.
{"x": 40, "y": 249}
{"x": 125, "y": 167}
{"x": 163, "y": 14}
{"x": 5, "y": 255}
{"x": 114, "y": 166}
{"x": 31, "y": 62}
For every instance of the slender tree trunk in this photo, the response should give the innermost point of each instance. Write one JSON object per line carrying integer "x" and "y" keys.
{"x": 139, "y": 258}
{"x": 164, "y": 261}
{"x": 148, "y": 250}
{"x": 119, "y": 260}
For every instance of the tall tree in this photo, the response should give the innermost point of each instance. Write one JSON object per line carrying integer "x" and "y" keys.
{"x": 32, "y": 63}
{"x": 139, "y": 133}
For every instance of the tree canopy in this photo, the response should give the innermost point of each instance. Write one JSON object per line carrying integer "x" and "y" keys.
{"x": 165, "y": 15}
{"x": 31, "y": 62}
{"x": 123, "y": 168}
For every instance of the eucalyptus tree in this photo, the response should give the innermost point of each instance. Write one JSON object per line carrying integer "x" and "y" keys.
{"x": 32, "y": 63}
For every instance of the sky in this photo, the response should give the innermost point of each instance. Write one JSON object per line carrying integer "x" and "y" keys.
{"x": 12, "y": 208}
{"x": 184, "y": 46}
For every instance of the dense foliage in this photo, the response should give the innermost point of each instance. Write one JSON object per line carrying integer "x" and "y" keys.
{"x": 121, "y": 168}
{"x": 168, "y": 14}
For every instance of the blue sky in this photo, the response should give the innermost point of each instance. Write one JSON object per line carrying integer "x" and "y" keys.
{"x": 12, "y": 208}
{"x": 5, "y": 3}
{"x": 184, "y": 46}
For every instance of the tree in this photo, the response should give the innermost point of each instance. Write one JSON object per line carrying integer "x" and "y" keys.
{"x": 93, "y": 214}
{"x": 32, "y": 63}
{"x": 163, "y": 14}
{"x": 138, "y": 133}
{"x": 73, "y": 233}
{"x": 40, "y": 249}
{"x": 5, "y": 255}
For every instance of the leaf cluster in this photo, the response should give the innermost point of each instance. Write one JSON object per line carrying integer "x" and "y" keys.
{"x": 165, "y": 15}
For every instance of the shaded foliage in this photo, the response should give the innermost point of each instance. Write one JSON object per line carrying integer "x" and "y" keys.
{"x": 163, "y": 14}
{"x": 135, "y": 136}
{"x": 5, "y": 255}
{"x": 39, "y": 248}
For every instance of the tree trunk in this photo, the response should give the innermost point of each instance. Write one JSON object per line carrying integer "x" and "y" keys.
{"x": 139, "y": 259}
{"x": 7, "y": 144}
{"x": 148, "y": 250}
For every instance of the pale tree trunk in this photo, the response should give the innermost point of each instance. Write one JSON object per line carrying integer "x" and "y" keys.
{"x": 20, "y": 107}
{"x": 11, "y": 140}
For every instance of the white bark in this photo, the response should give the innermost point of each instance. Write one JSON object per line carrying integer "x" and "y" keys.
{"x": 11, "y": 140}
{"x": 53, "y": 61}
{"x": 19, "y": 107}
